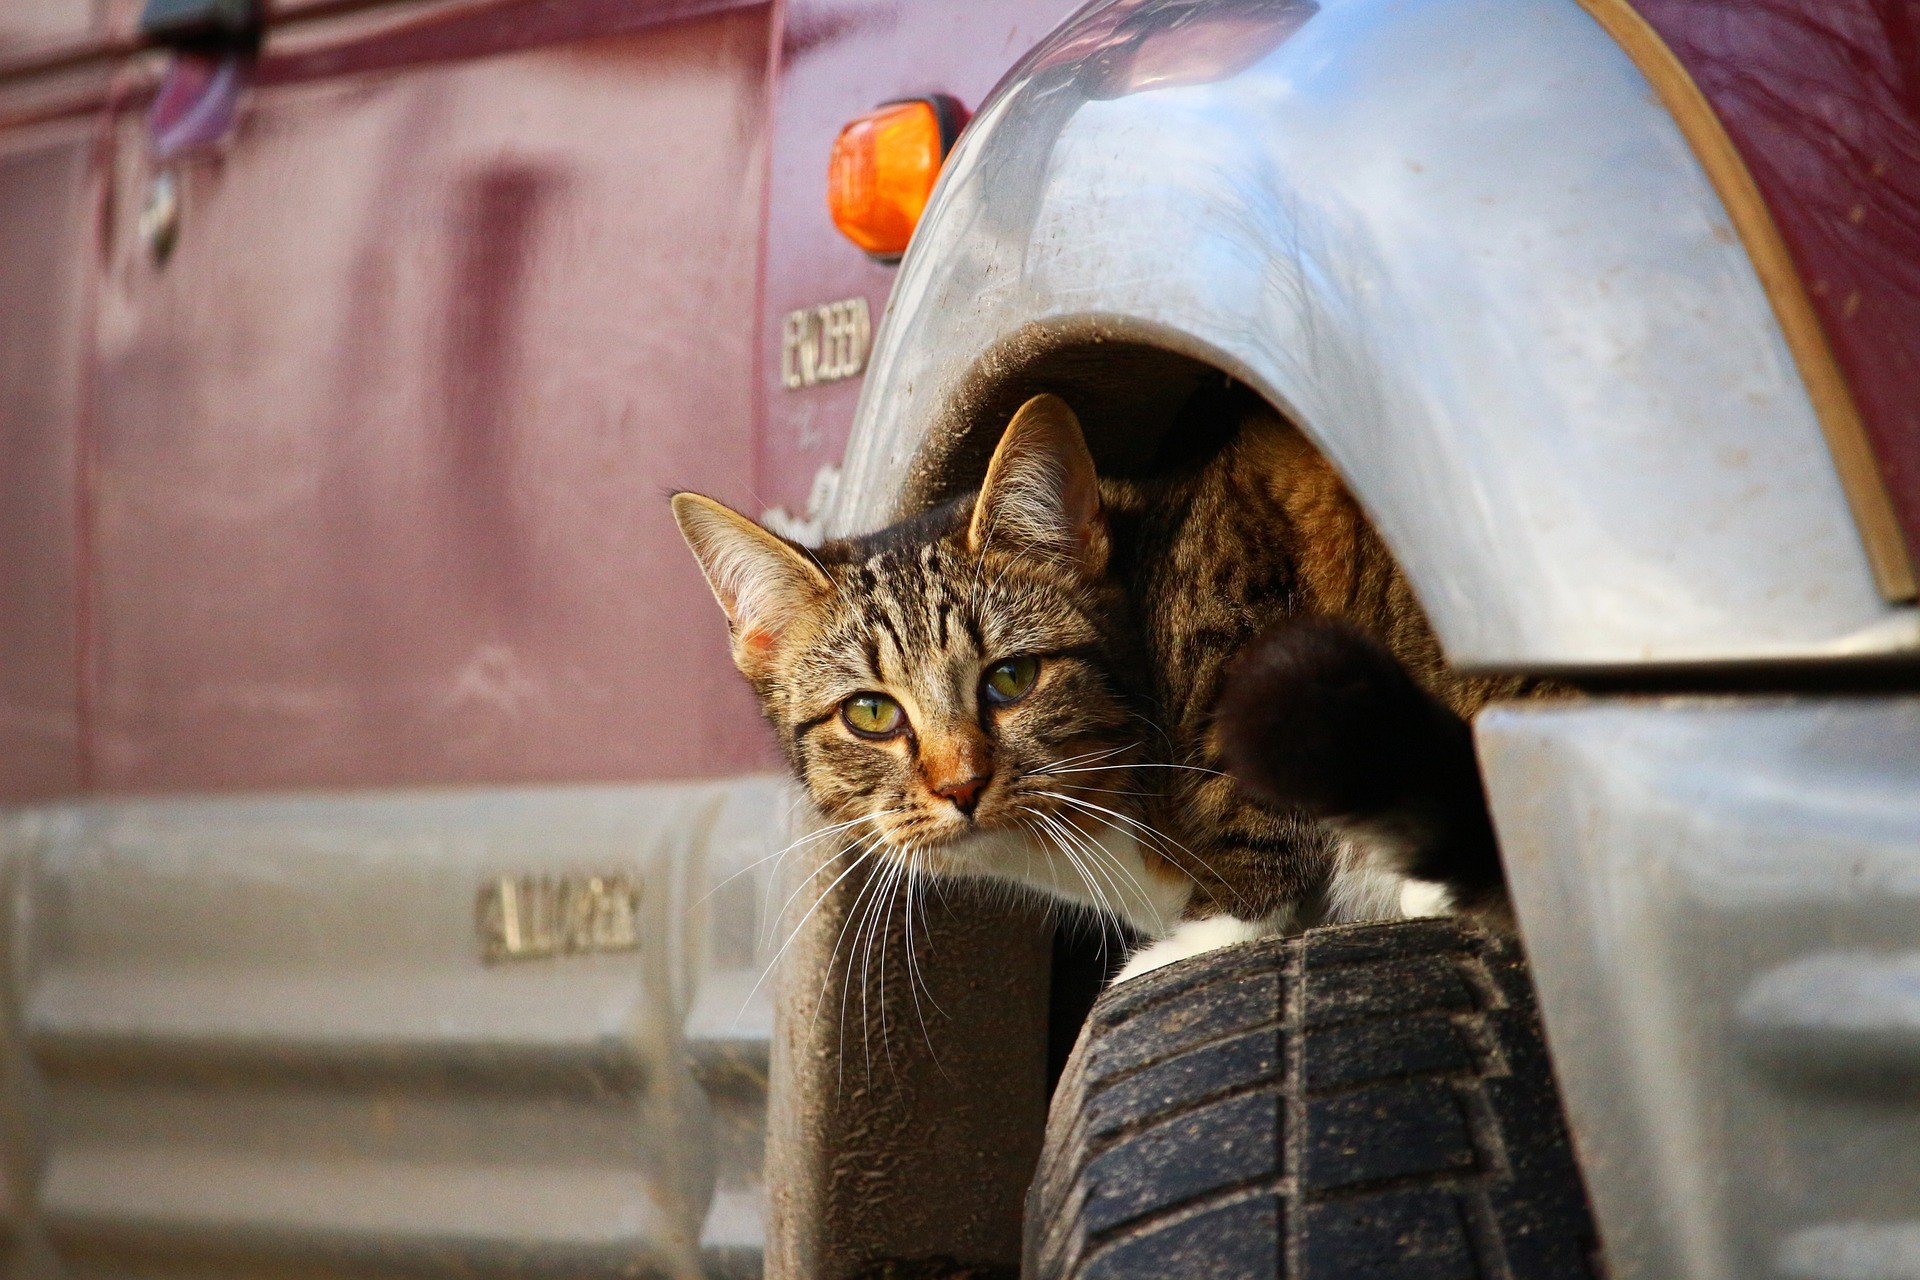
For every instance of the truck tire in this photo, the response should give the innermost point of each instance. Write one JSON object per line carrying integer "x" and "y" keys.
{"x": 1361, "y": 1101}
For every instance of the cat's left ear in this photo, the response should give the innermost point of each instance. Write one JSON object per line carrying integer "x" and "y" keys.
{"x": 1041, "y": 492}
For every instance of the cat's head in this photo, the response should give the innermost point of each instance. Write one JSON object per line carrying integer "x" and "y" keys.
{"x": 953, "y": 674}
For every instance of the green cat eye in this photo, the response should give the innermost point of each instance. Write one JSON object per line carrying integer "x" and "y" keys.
{"x": 873, "y": 715}
{"x": 1009, "y": 681}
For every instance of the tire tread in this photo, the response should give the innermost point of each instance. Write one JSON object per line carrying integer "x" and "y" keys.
{"x": 1358, "y": 1101}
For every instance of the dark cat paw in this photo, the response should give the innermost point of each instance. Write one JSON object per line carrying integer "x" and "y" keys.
{"x": 1320, "y": 717}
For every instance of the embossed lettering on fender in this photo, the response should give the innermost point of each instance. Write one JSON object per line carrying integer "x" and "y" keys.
{"x": 527, "y": 917}
{"x": 824, "y": 343}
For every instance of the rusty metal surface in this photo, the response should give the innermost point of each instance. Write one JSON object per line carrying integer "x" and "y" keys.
{"x": 261, "y": 1036}
{"x": 380, "y": 450}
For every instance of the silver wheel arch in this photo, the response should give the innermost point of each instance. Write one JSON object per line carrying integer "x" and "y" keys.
{"x": 1464, "y": 246}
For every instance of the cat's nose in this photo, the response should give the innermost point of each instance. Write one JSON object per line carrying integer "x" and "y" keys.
{"x": 965, "y": 794}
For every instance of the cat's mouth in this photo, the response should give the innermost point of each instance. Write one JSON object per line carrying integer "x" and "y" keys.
{"x": 955, "y": 842}
{"x": 1071, "y": 808}
{"x": 1030, "y": 844}
{"x": 937, "y": 829}
{"x": 1035, "y": 812}
{"x": 976, "y": 848}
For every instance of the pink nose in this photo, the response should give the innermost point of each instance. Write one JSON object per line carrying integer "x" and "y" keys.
{"x": 965, "y": 794}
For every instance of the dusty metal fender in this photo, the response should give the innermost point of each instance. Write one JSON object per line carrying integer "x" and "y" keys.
{"x": 1466, "y": 247}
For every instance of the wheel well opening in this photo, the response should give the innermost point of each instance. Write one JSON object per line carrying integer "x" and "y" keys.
{"x": 1146, "y": 411}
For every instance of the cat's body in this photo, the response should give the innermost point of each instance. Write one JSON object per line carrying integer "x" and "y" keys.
{"x": 1023, "y": 683}
{"x": 1263, "y": 532}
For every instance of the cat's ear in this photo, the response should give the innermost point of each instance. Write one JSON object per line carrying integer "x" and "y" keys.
{"x": 765, "y": 583}
{"x": 1041, "y": 492}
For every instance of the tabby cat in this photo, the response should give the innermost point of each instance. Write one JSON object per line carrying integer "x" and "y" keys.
{"x": 1023, "y": 684}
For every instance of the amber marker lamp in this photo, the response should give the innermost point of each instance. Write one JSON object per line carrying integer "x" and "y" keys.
{"x": 883, "y": 169}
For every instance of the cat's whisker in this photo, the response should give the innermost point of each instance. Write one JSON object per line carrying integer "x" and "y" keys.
{"x": 1194, "y": 768}
{"x": 1109, "y": 791}
{"x": 1104, "y": 861}
{"x": 773, "y": 918}
{"x": 1095, "y": 890}
{"x": 1160, "y": 838}
{"x": 856, "y": 920}
{"x": 1109, "y": 891}
{"x": 1098, "y": 887}
{"x": 1073, "y": 843}
{"x": 896, "y": 895}
{"x": 1159, "y": 731}
{"x": 807, "y": 838}
{"x": 1085, "y": 757}
{"x": 1035, "y": 780}
{"x": 903, "y": 891}
{"x": 875, "y": 917}
{"x": 1161, "y": 842}
{"x": 818, "y": 902}
{"x": 883, "y": 927}
{"x": 1117, "y": 877}
{"x": 1101, "y": 852}
{"x": 1051, "y": 841}
{"x": 917, "y": 881}
{"x": 914, "y": 981}
{"x": 878, "y": 885}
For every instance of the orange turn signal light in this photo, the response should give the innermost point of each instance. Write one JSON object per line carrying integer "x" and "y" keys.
{"x": 883, "y": 169}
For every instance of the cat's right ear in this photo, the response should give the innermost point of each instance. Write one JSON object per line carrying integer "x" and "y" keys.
{"x": 765, "y": 583}
{"x": 1041, "y": 492}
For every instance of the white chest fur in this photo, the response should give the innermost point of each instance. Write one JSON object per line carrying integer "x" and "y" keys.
{"x": 1108, "y": 873}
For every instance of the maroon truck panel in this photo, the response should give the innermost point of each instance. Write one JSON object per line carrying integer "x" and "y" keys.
{"x": 363, "y": 486}
{"x": 34, "y": 30}
{"x": 837, "y": 59}
{"x": 382, "y": 451}
{"x": 1822, "y": 97}
{"x": 48, "y": 198}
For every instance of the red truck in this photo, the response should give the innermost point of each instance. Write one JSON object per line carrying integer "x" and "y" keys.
{"x": 388, "y": 843}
